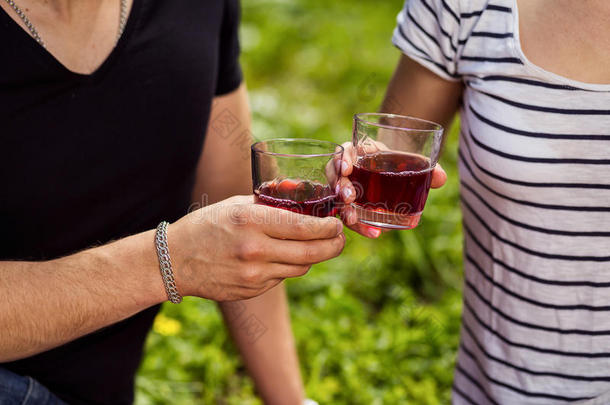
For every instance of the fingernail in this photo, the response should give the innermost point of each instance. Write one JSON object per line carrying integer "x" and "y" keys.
{"x": 344, "y": 166}
{"x": 347, "y": 192}
{"x": 353, "y": 217}
{"x": 339, "y": 227}
{"x": 337, "y": 188}
{"x": 374, "y": 232}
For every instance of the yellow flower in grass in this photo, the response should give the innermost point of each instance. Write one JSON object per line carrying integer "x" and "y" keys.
{"x": 166, "y": 326}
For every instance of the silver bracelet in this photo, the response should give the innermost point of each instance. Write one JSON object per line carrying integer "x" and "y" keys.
{"x": 165, "y": 264}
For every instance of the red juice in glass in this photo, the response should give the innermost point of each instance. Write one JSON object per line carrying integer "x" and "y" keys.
{"x": 297, "y": 174}
{"x": 393, "y": 184}
{"x": 300, "y": 196}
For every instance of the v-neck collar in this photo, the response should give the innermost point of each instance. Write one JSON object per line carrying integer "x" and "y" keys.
{"x": 50, "y": 61}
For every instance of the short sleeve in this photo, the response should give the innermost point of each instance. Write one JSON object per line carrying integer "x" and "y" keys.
{"x": 229, "y": 70}
{"x": 428, "y": 32}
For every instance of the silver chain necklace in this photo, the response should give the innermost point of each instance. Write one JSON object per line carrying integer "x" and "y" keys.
{"x": 34, "y": 33}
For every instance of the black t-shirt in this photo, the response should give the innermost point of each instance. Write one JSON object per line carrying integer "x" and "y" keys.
{"x": 85, "y": 159}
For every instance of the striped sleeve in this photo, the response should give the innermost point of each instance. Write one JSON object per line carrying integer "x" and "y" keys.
{"x": 428, "y": 32}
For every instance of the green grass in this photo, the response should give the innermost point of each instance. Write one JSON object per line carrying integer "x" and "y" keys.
{"x": 380, "y": 323}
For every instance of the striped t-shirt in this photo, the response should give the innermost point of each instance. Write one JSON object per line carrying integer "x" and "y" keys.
{"x": 535, "y": 190}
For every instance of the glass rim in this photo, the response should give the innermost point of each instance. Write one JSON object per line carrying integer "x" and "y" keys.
{"x": 360, "y": 117}
{"x": 301, "y": 155}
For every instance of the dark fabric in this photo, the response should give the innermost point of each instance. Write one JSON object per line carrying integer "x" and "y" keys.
{"x": 85, "y": 159}
{"x": 19, "y": 390}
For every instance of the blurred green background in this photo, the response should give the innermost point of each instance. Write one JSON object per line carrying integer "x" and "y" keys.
{"x": 379, "y": 324}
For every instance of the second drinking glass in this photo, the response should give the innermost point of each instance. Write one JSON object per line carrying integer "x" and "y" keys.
{"x": 393, "y": 159}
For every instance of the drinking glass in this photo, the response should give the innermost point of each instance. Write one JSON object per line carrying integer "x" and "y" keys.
{"x": 393, "y": 157}
{"x": 299, "y": 175}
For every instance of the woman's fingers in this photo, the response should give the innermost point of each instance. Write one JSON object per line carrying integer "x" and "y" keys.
{"x": 347, "y": 190}
{"x": 439, "y": 177}
{"x": 365, "y": 230}
{"x": 348, "y": 159}
{"x": 350, "y": 219}
{"x": 282, "y": 271}
{"x": 333, "y": 169}
{"x": 349, "y": 216}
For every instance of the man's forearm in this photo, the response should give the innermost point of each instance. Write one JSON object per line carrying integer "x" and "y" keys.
{"x": 261, "y": 328}
{"x": 46, "y": 304}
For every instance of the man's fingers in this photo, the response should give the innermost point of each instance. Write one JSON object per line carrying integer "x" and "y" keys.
{"x": 280, "y": 271}
{"x": 283, "y": 224}
{"x": 305, "y": 252}
{"x": 333, "y": 167}
{"x": 439, "y": 177}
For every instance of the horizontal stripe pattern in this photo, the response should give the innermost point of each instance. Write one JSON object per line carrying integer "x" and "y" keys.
{"x": 511, "y": 319}
{"x": 527, "y": 299}
{"x": 533, "y": 184}
{"x": 545, "y": 108}
{"x": 535, "y": 204}
{"x": 511, "y": 190}
{"x": 500, "y": 383}
{"x": 529, "y": 345}
{"x": 573, "y": 282}
{"x": 534, "y": 159}
{"x": 528, "y": 82}
{"x": 501, "y": 59}
{"x": 485, "y": 34}
{"x": 489, "y": 7}
{"x": 525, "y": 225}
{"x": 479, "y": 347}
{"x": 530, "y": 134}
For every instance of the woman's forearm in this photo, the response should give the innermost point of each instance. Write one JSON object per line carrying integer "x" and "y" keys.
{"x": 46, "y": 304}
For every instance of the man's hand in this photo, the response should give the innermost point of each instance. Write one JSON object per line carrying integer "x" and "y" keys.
{"x": 236, "y": 249}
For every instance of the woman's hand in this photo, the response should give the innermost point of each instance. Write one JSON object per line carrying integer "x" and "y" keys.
{"x": 236, "y": 249}
{"x": 348, "y": 192}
